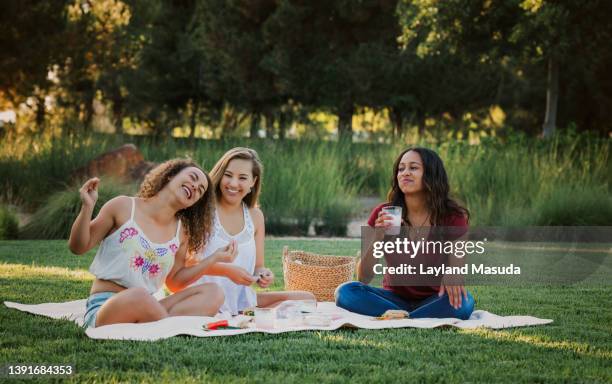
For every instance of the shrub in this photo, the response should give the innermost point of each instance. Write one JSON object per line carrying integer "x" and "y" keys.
{"x": 9, "y": 227}
{"x": 575, "y": 206}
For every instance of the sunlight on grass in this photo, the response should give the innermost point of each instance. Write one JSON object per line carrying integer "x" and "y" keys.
{"x": 16, "y": 271}
{"x": 540, "y": 341}
{"x": 341, "y": 339}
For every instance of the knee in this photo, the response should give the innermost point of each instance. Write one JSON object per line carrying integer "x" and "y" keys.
{"x": 138, "y": 296}
{"x": 146, "y": 304}
{"x": 344, "y": 290}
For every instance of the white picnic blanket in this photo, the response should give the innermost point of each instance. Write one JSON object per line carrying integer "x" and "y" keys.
{"x": 193, "y": 325}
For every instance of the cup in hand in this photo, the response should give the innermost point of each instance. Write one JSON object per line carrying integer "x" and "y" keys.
{"x": 396, "y": 219}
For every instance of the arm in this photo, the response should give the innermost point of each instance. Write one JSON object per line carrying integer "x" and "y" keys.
{"x": 180, "y": 276}
{"x": 453, "y": 284}
{"x": 267, "y": 277}
{"x": 85, "y": 233}
{"x": 380, "y": 222}
{"x": 366, "y": 263}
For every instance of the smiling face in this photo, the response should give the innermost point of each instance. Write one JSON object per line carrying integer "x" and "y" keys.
{"x": 189, "y": 185}
{"x": 237, "y": 181}
{"x": 410, "y": 172}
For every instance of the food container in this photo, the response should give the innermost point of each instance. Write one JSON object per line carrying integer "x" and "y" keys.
{"x": 318, "y": 320}
{"x": 265, "y": 318}
{"x": 289, "y": 314}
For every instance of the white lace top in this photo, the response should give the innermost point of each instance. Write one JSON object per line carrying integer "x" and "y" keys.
{"x": 127, "y": 257}
{"x": 237, "y": 297}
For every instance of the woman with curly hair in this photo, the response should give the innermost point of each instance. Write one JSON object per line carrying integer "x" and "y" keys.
{"x": 145, "y": 241}
{"x": 420, "y": 187}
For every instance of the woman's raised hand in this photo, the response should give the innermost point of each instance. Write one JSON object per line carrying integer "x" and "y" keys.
{"x": 383, "y": 220}
{"x": 89, "y": 192}
{"x": 226, "y": 254}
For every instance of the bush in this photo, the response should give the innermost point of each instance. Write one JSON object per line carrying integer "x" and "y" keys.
{"x": 32, "y": 170}
{"x": 335, "y": 218}
{"x": 575, "y": 206}
{"x": 503, "y": 182}
{"x": 302, "y": 186}
{"x": 9, "y": 227}
{"x": 55, "y": 217}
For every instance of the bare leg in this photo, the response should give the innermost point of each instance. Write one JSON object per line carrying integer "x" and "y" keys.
{"x": 201, "y": 300}
{"x": 133, "y": 305}
{"x": 272, "y": 299}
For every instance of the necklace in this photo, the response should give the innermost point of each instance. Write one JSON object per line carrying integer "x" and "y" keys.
{"x": 419, "y": 231}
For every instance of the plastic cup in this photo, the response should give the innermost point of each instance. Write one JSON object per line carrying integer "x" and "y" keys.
{"x": 396, "y": 219}
{"x": 265, "y": 318}
{"x": 288, "y": 314}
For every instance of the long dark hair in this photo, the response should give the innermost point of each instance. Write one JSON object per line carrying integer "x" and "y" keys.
{"x": 197, "y": 219}
{"x": 435, "y": 182}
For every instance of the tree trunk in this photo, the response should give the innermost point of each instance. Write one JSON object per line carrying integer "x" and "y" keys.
{"x": 254, "y": 125}
{"x": 88, "y": 112}
{"x": 397, "y": 118}
{"x": 270, "y": 125}
{"x": 195, "y": 107}
{"x": 283, "y": 121}
{"x": 345, "y": 124}
{"x": 40, "y": 114}
{"x": 552, "y": 98}
{"x": 118, "y": 115}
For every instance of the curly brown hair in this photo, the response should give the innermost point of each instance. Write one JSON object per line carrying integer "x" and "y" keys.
{"x": 197, "y": 219}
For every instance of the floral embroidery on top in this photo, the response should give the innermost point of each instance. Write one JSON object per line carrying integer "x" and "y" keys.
{"x": 173, "y": 248}
{"x": 127, "y": 233}
{"x": 149, "y": 262}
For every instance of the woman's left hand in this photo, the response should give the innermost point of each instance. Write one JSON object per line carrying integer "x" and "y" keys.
{"x": 266, "y": 277}
{"x": 455, "y": 293}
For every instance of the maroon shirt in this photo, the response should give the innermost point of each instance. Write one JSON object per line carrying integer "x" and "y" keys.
{"x": 417, "y": 292}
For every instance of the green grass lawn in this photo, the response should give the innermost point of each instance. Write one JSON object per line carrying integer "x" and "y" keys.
{"x": 577, "y": 347}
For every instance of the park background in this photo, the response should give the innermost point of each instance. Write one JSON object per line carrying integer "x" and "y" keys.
{"x": 513, "y": 94}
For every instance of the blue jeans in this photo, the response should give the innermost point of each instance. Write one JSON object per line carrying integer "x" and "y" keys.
{"x": 371, "y": 301}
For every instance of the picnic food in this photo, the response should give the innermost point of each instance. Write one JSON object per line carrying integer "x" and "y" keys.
{"x": 394, "y": 314}
{"x": 217, "y": 325}
{"x": 249, "y": 311}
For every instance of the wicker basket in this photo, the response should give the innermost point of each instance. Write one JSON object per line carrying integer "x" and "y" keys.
{"x": 318, "y": 274}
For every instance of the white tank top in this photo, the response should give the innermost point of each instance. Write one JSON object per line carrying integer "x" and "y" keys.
{"x": 237, "y": 297}
{"x": 127, "y": 257}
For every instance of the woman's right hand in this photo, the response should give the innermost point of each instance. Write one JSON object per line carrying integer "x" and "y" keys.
{"x": 239, "y": 275}
{"x": 89, "y": 192}
{"x": 226, "y": 254}
{"x": 383, "y": 220}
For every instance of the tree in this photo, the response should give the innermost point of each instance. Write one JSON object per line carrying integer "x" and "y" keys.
{"x": 31, "y": 37}
{"x": 169, "y": 82}
{"x": 332, "y": 54}
{"x": 230, "y": 36}
{"x": 560, "y": 44}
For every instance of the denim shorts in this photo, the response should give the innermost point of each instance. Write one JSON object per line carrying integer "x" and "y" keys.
{"x": 94, "y": 303}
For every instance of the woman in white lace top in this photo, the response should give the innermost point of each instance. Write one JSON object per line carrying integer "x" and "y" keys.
{"x": 237, "y": 179}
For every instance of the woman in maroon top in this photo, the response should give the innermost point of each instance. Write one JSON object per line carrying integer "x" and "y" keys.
{"x": 420, "y": 186}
